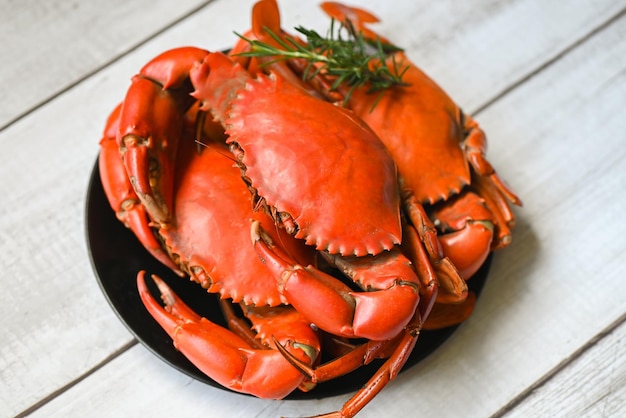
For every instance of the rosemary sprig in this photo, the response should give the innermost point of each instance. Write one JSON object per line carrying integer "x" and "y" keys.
{"x": 344, "y": 55}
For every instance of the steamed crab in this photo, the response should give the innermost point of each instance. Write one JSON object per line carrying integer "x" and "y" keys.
{"x": 456, "y": 202}
{"x": 218, "y": 256}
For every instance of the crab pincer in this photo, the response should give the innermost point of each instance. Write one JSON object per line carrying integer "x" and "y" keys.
{"x": 151, "y": 123}
{"x": 225, "y": 356}
{"x": 121, "y": 195}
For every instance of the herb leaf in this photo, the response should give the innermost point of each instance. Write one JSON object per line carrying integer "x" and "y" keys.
{"x": 344, "y": 55}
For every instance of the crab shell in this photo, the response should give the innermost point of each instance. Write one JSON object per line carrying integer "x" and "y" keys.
{"x": 305, "y": 157}
{"x": 434, "y": 147}
{"x": 209, "y": 236}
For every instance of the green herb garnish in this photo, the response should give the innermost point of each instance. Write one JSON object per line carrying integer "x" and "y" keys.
{"x": 344, "y": 55}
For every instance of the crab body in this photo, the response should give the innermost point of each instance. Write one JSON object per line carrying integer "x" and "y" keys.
{"x": 306, "y": 159}
{"x": 440, "y": 153}
{"x": 207, "y": 236}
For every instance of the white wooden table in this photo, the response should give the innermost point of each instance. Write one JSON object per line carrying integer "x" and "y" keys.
{"x": 546, "y": 80}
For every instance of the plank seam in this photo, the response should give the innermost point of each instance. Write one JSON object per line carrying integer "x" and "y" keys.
{"x": 559, "y": 367}
{"x": 585, "y": 38}
{"x": 79, "y": 379}
{"x": 517, "y": 400}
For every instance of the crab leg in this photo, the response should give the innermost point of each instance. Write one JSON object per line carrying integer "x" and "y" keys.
{"x": 121, "y": 194}
{"x": 488, "y": 184}
{"x": 333, "y": 306}
{"x": 503, "y": 216}
{"x": 445, "y": 315}
{"x": 227, "y": 358}
{"x": 387, "y": 372}
{"x": 422, "y": 242}
{"x": 151, "y": 123}
{"x": 476, "y": 146}
{"x": 265, "y": 15}
{"x": 238, "y": 325}
{"x": 401, "y": 346}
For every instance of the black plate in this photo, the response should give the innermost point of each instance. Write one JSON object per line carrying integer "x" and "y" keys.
{"x": 116, "y": 256}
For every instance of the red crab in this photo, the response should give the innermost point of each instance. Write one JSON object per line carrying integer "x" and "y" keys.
{"x": 208, "y": 237}
{"x": 439, "y": 151}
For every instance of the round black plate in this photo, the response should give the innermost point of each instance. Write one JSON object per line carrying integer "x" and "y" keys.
{"x": 116, "y": 256}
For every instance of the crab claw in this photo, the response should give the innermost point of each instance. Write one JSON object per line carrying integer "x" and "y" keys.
{"x": 331, "y": 305}
{"x": 122, "y": 197}
{"x": 222, "y": 355}
{"x": 468, "y": 232}
{"x": 151, "y": 123}
{"x": 357, "y": 17}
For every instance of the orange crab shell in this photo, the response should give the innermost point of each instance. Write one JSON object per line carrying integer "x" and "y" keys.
{"x": 348, "y": 203}
{"x": 432, "y": 163}
{"x": 210, "y": 231}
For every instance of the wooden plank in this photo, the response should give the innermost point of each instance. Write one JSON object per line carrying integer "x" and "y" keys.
{"x": 52, "y": 292}
{"x": 52, "y": 45}
{"x": 594, "y": 385}
{"x": 156, "y": 389}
